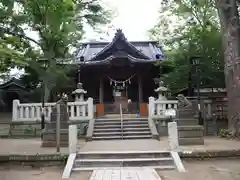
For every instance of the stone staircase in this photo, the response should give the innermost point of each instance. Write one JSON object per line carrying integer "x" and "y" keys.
{"x": 162, "y": 160}
{"x": 110, "y": 129}
{"x": 189, "y": 132}
{"x": 120, "y": 160}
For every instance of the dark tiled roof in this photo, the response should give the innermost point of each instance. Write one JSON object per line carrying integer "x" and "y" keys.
{"x": 149, "y": 50}
{"x": 12, "y": 81}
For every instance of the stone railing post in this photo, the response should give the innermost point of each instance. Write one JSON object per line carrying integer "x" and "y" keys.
{"x": 90, "y": 108}
{"x": 173, "y": 136}
{"x": 72, "y": 138}
{"x": 16, "y": 103}
{"x": 151, "y": 107}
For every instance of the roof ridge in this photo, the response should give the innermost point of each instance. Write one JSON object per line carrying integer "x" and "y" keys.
{"x": 120, "y": 34}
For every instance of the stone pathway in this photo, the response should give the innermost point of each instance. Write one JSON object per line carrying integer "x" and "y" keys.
{"x": 126, "y": 145}
{"x": 33, "y": 146}
{"x": 125, "y": 174}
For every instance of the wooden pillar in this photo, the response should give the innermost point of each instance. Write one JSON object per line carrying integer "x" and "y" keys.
{"x": 142, "y": 106}
{"x": 101, "y": 91}
{"x": 140, "y": 89}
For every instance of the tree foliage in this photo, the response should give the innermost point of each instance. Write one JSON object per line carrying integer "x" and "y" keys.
{"x": 58, "y": 25}
{"x": 187, "y": 29}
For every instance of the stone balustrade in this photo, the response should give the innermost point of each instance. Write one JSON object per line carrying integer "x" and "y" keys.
{"x": 28, "y": 112}
{"x": 157, "y": 107}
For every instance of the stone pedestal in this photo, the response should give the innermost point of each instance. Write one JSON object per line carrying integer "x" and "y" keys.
{"x": 189, "y": 132}
{"x": 49, "y": 134}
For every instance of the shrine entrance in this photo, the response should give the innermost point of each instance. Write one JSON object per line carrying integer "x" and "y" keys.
{"x": 121, "y": 94}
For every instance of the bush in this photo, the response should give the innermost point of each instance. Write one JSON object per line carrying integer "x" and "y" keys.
{"x": 224, "y": 133}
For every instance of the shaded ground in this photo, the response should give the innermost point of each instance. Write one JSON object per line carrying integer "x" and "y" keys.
{"x": 197, "y": 170}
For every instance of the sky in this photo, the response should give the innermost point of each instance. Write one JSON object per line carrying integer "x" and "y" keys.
{"x": 134, "y": 17}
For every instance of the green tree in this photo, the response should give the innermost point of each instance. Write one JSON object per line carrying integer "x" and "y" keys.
{"x": 59, "y": 25}
{"x": 187, "y": 29}
{"x": 12, "y": 47}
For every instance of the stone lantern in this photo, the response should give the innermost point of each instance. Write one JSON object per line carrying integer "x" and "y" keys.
{"x": 79, "y": 92}
{"x": 162, "y": 91}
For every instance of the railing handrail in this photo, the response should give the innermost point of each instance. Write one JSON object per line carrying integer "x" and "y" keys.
{"x": 121, "y": 118}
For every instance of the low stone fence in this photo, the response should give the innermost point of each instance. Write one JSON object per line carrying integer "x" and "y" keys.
{"x": 157, "y": 107}
{"x": 31, "y": 112}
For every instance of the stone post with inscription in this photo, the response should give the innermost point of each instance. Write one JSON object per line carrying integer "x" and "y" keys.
{"x": 49, "y": 133}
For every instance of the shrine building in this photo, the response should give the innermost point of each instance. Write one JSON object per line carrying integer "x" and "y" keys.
{"x": 119, "y": 72}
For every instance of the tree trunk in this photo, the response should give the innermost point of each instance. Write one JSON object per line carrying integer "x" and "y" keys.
{"x": 229, "y": 19}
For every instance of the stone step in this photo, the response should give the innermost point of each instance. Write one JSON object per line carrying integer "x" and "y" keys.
{"x": 191, "y": 128}
{"x": 131, "y": 162}
{"x": 119, "y": 119}
{"x": 120, "y": 130}
{"x": 190, "y": 131}
{"x": 119, "y": 123}
{"x": 134, "y": 122}
{"x": 102, "y": 126}
{"x": 128, "y": 133}
{"x": 53, "y": 137}
{"x": 107, "y": 123}
{"x": 107, "y": 130}
{"x": 53, "y": 125}
{"x": 136, "y": 125}
{"x": 136, "y": 129}
{"x": 191, "y": 141}
{"x": 120, "y": 137}
{"x": 186, "y": 121}
{"x": 161, "y": 168}
{"x": 53, "y": 144}
{"x": 122, "y": 154}
{"x": 188, "y": 134}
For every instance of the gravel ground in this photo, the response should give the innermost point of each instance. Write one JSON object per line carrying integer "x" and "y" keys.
{"x": 206, "y": 170}
{"x": 197, "y": 170}
{"x": 46, "y": 173}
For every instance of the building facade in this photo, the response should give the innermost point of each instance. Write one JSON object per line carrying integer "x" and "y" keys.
{"x": 119, "y": 72}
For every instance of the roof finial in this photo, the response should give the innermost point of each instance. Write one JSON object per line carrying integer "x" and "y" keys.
{"x": 119, "y": 34}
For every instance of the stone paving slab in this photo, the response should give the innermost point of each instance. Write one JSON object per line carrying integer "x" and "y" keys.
{"x": 125, "y": 174}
